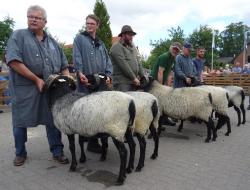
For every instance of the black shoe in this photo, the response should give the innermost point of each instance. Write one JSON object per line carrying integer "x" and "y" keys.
{"x": 248, "y": 107}
{"x": 61, "y": 159}
{"x": 94, "y": 147}
{"x": 19, "y": 160}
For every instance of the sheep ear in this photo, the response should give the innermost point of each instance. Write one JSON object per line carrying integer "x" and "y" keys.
{"x": 49, "y": 81}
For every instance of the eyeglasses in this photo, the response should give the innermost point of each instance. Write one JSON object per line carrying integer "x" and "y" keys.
{"x": 35, "y": 18}
{"x": 90, "y": 23}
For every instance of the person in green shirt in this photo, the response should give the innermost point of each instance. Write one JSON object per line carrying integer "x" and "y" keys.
{"x": 161, "y": 72}
{"x": 165, "y": 63}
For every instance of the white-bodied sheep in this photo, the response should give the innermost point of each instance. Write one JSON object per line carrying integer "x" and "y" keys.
{"x": 147, "y": 116}
{"x": 236, "y": 100}
{"x": 110, "y": 113}
{"x": 183, "y": 103}
{"x": 220, "y": 105}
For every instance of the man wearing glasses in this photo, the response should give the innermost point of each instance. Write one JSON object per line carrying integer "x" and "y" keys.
{"x": 90, "y": 57}
{"x": 33, "y": 55}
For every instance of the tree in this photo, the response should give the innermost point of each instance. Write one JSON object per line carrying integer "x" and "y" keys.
{"x": 6, "y": 29}
{"x": 232, "y": 39}
{"x": 104, "y": 31}
{"x": 68, "y": 53}
{"x": 203, "y": 37}
{"x": 176, "y": 35}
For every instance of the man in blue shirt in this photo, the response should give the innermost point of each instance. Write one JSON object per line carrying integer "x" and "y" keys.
{"x": 199, "y": 61}
{"x": 184, "y": 69}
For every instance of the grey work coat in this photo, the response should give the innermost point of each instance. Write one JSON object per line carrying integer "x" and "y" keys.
{"x": 29, "y": 106}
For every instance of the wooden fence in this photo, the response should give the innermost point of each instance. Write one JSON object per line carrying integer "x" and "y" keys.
{"x": 3, "y": 86}
{"x": 242, "y": 80}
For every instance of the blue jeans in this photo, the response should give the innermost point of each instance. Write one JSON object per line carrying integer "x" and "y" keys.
{"x": 54, "y": 138}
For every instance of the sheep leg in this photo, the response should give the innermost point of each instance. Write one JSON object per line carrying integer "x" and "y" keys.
{"x": 104, "y": 141}
{"x": 243, "y": 113}
{"x": 209, "y": 128}
{"x": 142, "y": 143}
{"x": 156, "y": 141}
{"x": 222, "y": 120}
{"x": 180, "y": 126}
{"x": 239, "y": 115}
{"x": 213, "y": 129}
{"x": 123, "y": 161}
{"x": 81, "y": 143}
{"x": 131, "y": 144}
{"x": 71, "y": 139}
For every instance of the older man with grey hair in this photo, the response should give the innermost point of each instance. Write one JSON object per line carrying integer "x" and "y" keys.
{"x": 33, "y": 55}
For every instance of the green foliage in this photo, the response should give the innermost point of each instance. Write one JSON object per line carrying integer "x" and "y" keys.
{"x": 176, "y": 35}
{"x": 6, "y": 29}
{"x": 68, "y": 53}
{"x": 104, "y": 31}
{"x": 232, "y": 39}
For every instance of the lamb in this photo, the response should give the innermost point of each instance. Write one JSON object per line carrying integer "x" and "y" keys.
{"x": 236, "y": 100}
{"x": 183, "y": 103}
{"x": 91, "y": 115}
{"x": 147, "y": 116}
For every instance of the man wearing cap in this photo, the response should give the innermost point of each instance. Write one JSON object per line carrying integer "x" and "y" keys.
{"x": 184, "y": 69}
{"x": 124, "y": 56}
{"x": 90, "y": 56}
{"x": 199, "y": 61}
{"x": 165, "y": 62}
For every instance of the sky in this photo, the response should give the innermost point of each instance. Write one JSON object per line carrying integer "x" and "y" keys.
{"x": 149, "y": 19}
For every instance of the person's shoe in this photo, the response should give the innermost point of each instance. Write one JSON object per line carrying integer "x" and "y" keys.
{"x": 94, "y": 147}
{"x": 167, "y": 121}
{"x": 61, "y": 159}
{"x": 19, "y": 160}
{"x": 248, "y": 107}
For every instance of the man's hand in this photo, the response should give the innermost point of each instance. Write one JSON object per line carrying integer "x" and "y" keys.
{"x": 188, "y": 81}
{"x": 136, "y": 82}
{"x": 39, "y": 84}
{"x": 83, "y": 78}
{"x": 108, "y": 81}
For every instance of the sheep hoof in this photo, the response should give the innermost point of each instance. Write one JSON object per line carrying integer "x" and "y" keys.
{"x": 207, "y": 140}
{"x": 150, "y": 136}
{"x": 138, "y": 169}
{"x": 154, "y": 156}
{"x": 129, "y": 170}
{"x": 103, "y": 158}
{"x": 238, "y": 125}
{"x": 82, "y": 160}
{"x": 214, "y": 139}
{"x": 72, "y": 168}
{"x": 243, "y": 122}
{"x": 179, "y": 130}
{"x": 119, "y": 182}
{"x": 227, "y": 134}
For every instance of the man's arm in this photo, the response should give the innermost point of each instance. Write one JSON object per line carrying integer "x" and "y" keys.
{"x": 21, "y": 69}
{"x": 160, "y": 74}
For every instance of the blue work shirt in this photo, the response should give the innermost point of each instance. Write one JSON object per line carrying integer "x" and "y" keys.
{"x": 43, "y": 58}
{"x": 183, "y": 69}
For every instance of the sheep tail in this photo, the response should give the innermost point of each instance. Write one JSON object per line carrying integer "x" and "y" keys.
{"x": 242, "y": 95}
{"x": 154, "y": 108}
{"x": 132, "y": 112}
{"x": 210, "y": 98}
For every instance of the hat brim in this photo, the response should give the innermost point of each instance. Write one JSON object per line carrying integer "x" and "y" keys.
{"x": 134, "y": 33}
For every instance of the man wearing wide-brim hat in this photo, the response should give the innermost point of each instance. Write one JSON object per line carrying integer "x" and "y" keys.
{"x": 125, "y": 59}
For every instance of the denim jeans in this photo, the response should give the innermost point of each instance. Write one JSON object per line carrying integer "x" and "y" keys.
{"x": 53, "y": 135}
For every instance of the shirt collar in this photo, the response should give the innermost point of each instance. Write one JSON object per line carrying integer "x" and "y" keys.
{"x": 45, "y": 34}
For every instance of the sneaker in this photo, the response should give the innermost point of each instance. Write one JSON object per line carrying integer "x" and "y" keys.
{"x": 61, "y": 159}
{"x": 19, "y": 160}
{"x": 248, "y": 107}
{"x": 94, "y": 147}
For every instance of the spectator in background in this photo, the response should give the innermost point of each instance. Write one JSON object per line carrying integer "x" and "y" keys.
{"x": 246, "y": 69}
{"x": 199, "y": 61}
{"x": 227, "y": 70}
{"x": 237, "y": 68}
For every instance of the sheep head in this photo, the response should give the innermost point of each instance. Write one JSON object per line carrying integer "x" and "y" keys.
{"x": 56, "y": 81}
{"x": 97, "y": 82}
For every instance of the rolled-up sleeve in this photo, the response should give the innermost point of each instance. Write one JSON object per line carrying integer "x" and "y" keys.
{"x": 177, "y": 69}
{"x": 14, "y": 49}
{"x": 77, "y": 58}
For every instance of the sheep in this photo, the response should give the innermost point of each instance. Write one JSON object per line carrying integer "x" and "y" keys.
{"x": 236, "y": 100}
{"x": 91, "y": 115}
{"x": 182, "y": 103}
{"x": 147, "y": 116}
{"x": 220, "y": 105}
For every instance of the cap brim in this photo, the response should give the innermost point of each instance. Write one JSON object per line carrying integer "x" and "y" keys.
{"x": 134, "y": 33}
